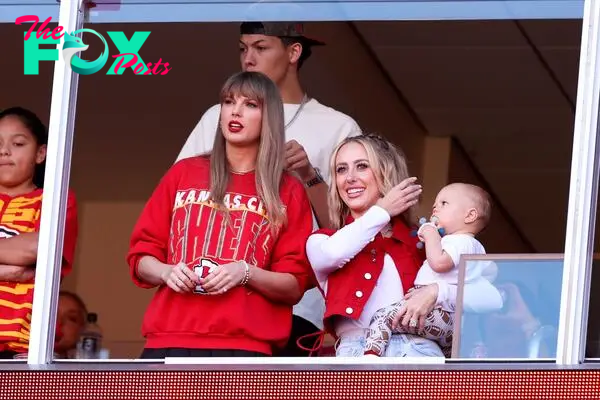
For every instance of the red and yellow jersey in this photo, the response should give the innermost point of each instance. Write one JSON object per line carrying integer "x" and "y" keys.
{"x": 18, "y": 215}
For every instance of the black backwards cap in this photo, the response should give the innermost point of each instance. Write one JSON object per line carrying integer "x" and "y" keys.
{"x": 279, "y": 29}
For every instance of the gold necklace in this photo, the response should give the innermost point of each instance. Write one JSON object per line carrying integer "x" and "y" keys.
{"x": 241, "y": 172}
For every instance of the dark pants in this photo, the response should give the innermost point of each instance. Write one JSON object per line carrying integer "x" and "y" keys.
{"x": 7, "y": 355}
{"x": 179, "y": 352}
{"x": 300, "y": 327}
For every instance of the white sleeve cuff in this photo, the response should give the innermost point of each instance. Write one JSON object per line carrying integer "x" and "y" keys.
{"x": 377, "y": 215}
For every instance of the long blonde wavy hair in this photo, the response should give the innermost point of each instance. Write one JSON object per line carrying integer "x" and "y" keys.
{"x": 270, "y": 160}
{"x": 389, "y": 167}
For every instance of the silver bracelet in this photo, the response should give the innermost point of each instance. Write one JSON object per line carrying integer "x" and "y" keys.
{"x": 246, "y": 277}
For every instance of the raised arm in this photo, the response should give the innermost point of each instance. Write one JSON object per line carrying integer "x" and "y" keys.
{"x": 329, "y": 253}
{"x": 317, "y": 194}
{"x": 317, "y": 189}
{"x": 437, "y": 258}
{"x": 297, "y": 162}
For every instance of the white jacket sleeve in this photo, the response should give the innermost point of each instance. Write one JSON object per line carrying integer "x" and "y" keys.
{"x": 479, "y": 296}
{"x": 202, "y": 137}
{"x": 329, "y": 253}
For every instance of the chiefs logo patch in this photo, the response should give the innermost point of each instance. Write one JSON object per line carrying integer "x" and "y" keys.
{"x": 202, "y": 270}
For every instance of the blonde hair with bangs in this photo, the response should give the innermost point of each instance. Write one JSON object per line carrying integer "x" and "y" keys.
{"x": 389, "y": 167}
{"x": 270, "y": 161}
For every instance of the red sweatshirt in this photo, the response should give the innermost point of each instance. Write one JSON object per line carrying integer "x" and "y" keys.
{"x": 180, "y": 224}
{"x": 21, "y": 214}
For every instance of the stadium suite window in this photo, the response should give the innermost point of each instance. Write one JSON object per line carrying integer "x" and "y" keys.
{"x": 104, "y": 16}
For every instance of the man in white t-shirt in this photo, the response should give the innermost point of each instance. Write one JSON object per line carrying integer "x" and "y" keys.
{"x": 278, "y": 49}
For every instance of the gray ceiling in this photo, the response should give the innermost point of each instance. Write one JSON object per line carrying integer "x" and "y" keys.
{"x": 506, "y": 91}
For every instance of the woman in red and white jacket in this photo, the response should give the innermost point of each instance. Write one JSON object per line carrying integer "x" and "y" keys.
{"x": 372, "y": 260}
{"x": 223, "y": 237}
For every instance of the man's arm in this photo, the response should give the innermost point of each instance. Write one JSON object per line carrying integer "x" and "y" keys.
{"x": 317, "y": 189}
{"x": 317, "y": 195}
{"x": 20, "y": 250}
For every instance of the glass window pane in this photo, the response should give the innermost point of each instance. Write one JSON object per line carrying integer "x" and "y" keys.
{"x": 592, "y": 349}
{"x": 495, "y": 97}
{"x": 507, "y": 82}
{"x": 29, "y": 88}
{"x": 301, "y": 10}
{"x": 526, "y": 325}
{"x": 10, "y": 10}
{"x": 309, "y": 10}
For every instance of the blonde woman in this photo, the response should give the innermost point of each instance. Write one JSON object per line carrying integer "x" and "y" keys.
{"x": 371, "y": 260}
{"x": 223, "y": 237}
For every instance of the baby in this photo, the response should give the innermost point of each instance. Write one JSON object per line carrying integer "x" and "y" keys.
{"x": 463, "y": 210}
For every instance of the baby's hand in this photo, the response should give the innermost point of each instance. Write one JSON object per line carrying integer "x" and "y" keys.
{"x": 426, "y": 229}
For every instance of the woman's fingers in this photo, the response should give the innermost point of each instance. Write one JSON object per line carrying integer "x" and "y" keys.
{"x": 181, "y": 278}
{"x": 215, "y": 283}
{"x": 175, "y": 283}
{"x": 171, "y": 283}
{"x": 422, "y": 320}
{"x": 407, "y": 182}
{"x": 406, "y": 322}
{"x": 410, "y": 193}
{"x": 398, "y": 318}
{"x": 221, "y": 280}
{"x": 189, "y": 274}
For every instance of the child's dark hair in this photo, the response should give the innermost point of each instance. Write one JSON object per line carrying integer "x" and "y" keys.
{"x": 37, "y": 129}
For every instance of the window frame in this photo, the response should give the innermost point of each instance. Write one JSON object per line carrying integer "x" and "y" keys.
{"x": 583, "y": 195}
{"x": 580, "y": 214}
{"x": 54, "y": 207}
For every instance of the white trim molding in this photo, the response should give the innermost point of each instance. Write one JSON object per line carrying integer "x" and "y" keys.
{"x": 54, "y": 205}
{"x": 581, "y": 214}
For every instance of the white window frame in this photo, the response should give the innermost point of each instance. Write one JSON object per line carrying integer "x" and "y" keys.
{"x": 581, "y": 212}
{"x": 583, "y": 193}
{"x": 54, "y": 206}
